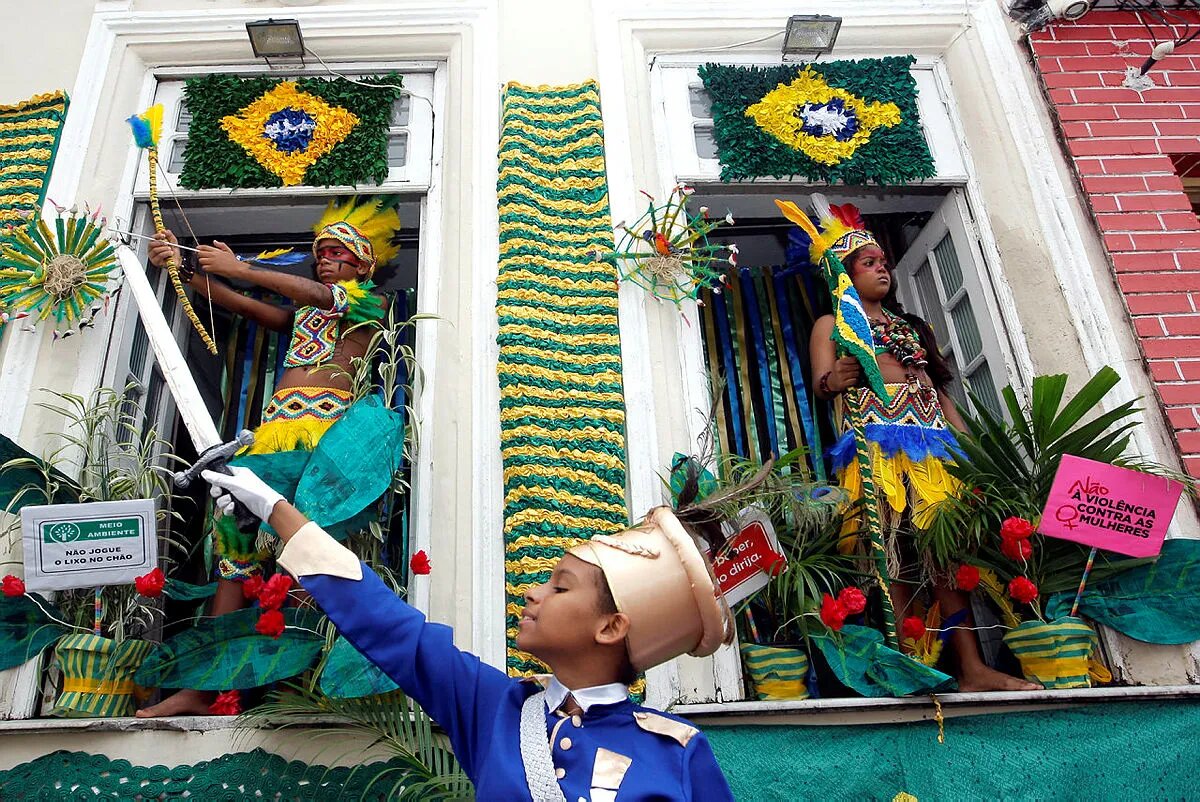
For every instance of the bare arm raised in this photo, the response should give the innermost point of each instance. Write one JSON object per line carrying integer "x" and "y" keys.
{"x": 220, "y": 260}
{"x": 265, "y": 314}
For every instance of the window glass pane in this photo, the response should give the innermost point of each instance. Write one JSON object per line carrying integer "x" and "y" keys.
{"x": 169, "y": 302}
{"x": 129, "y": 411}
{"x": 153, "y": 396}
{"x": 969, "y": 341}
{"x": 931, "y": 303}
{"x": 137, "y": 353}
{"x": 983, "y": 388}
{"x": 402, "y": 110}
{"x": 948, "y": 266}
{"x": 183, "y": 120}
{"x": 700, "y": 102}
{"x": 706, "y": 146}
{"x": 175, "y": 162}
{"x": 397, "y": 153}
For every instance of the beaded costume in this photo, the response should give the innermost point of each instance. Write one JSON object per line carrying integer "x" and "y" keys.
{"x": 908, "y": 440}
{"x": 297, "y": 418}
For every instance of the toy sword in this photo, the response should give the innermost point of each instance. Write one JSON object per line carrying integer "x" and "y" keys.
{"x": 214, "y": 454}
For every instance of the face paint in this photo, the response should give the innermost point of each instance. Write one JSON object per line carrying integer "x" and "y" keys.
{"x": 338, "y": 254}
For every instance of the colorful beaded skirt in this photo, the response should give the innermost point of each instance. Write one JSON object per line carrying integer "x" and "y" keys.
{"x": 909, "y": 444}
{"x": 297, "y": 418}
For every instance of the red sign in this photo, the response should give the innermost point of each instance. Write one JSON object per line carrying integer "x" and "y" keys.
{"x": 750, "y": 560}
{"x": 1111, "y": 508}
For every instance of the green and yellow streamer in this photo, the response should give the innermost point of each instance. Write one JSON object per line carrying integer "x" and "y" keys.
{"x": 562, "y": 411}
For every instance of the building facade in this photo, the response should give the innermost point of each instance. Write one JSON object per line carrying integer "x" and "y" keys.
{"x": 1068, "y": 260}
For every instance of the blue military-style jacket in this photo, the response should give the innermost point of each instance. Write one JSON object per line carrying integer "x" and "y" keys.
{"x": 613, "y": 752}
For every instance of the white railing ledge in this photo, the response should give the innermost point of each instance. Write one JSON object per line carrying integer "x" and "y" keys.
{"x": 871, "y": 711}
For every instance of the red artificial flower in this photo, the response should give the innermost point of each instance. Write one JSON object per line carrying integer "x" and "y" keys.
{"x": 967, "y": 578}
{"x": 150, "y": 584}
{"x": 420, "y": 564}
{"x": 253, "y": 586}
{"x": 833, "y": 612}
{"x": 12, "y": 586}
{"x": 1022, "y": 590}
{"x": 275, "y": 591}
{"x": 1016, "y": 529}
{"x": 853, "y": 600}
{"x": 270, "y": 623}
{"x": 912, "y": 627}
{"x": 227, "y": 704}
{"x": 774, "y": 564}
{"x": 1016, "y": 549}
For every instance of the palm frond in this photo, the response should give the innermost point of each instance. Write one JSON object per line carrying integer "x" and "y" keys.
{"x": 1009, "y": 468}
{"x": 421, "y": 764}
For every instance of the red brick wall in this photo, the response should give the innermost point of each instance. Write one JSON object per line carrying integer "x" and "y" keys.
{"x": 1122, "y": 143}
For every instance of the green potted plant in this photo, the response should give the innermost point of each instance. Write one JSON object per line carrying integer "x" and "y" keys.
{"x": 806, "y": 518}
{"x": 989, "y": 527}
{"x": 101, "y": 455}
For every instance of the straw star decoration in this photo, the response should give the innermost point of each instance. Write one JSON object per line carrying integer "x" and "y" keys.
{"x": 667, "y": 253}
{"x": 287, "y": 130}
{"x": 64, "y": 272}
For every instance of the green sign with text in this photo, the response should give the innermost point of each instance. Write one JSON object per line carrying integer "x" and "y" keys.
{"x": 88, "y": 545}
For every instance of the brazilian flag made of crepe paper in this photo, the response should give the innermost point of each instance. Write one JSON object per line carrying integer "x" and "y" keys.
{"x": 268, "y": 132}
{"x": 853, "y": 122}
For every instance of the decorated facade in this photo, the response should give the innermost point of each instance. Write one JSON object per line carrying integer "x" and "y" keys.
{"x": 565, "y": 287}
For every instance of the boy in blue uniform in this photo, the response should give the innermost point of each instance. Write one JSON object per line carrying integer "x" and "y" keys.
{"x": 614, "y": 606}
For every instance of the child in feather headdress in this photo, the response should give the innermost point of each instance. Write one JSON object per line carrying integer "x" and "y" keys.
{"x": 353, "y": 237}
{"x": 908, "y": 433}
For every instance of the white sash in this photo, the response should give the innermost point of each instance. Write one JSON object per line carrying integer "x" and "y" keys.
{"x": 535, "y": 752}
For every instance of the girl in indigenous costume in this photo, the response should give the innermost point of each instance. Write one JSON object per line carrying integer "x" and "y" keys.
{"x": 332, "y": 322}
{"x": 909, "y": 439}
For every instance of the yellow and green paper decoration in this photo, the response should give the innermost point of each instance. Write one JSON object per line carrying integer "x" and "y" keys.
{"x": 562, "y": 404}
{"x": 667, "y": 253}
{"x": 61, "y": 272}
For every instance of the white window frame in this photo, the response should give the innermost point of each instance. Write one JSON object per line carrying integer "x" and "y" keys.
{"x": 672, "y": 77}
{"x": 951, "y": 220}
{"x": 417, "y": 80}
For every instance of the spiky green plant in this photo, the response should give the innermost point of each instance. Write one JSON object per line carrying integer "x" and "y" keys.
{"x": 1008, "y": 469}
{"x": 421, "y": 764}
{"x": 388, "y": 359}
{"x": 807, "y": 517}
{"x": 102, "y": 454}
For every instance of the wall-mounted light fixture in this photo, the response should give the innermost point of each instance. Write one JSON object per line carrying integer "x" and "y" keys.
{"x": 809, "y": 35}
{"x": 276, "y": 38}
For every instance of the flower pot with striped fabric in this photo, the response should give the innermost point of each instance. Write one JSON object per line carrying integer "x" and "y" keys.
{"x": 98, "y": 675}
{"x": 1059, "y": 654}
{"x": 776, "y": 672}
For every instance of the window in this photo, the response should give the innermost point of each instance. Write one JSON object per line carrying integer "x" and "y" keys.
{"x": 939, "y": 280}
{"x": 410, "y": 136}
{"x": 754, "y": 335}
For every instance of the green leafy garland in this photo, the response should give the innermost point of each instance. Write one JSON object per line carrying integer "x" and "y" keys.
{"x": 213, "y": 160}
{"x": 893, "y": 154}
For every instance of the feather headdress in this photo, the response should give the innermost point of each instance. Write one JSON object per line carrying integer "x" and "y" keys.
{"x": 366, "y": 224}
{"x": 840, "y": 234}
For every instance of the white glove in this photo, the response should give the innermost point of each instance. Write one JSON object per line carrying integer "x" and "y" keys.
{"x": 245, "y": 486}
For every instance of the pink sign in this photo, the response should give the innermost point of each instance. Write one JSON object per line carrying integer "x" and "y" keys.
{"x": 1111, "y": 508}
